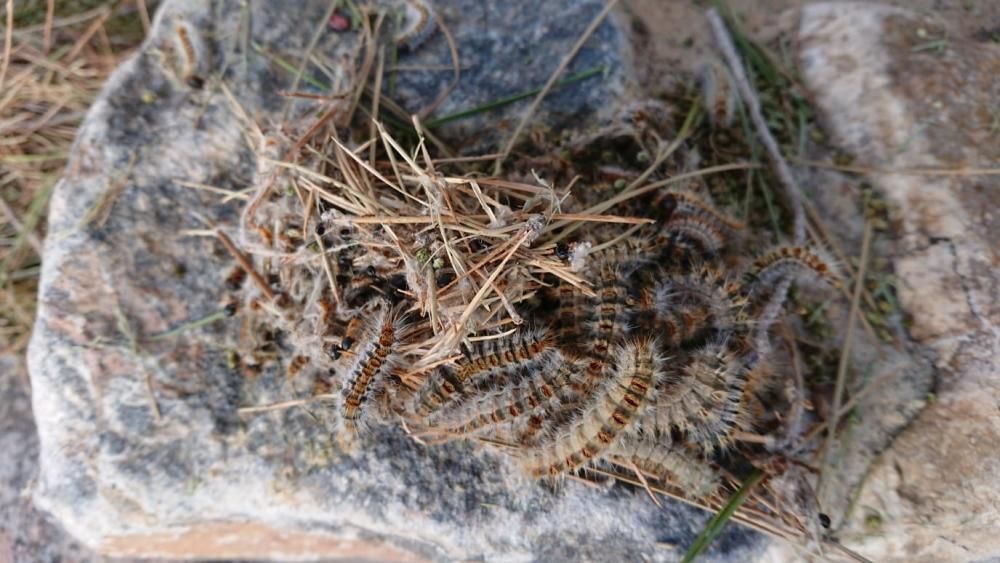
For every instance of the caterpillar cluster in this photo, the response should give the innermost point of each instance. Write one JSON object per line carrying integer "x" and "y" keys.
{"x": 655, "y": 369}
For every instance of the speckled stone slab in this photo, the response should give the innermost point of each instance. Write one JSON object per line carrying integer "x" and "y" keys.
{"x": 142, "y": 450}
{"x": 904, "y": 91}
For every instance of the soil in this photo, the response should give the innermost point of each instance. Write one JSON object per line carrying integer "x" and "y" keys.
{"x": 677, "y": 38}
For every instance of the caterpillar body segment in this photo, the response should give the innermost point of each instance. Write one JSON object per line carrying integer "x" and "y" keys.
{"x": 705, "y": 398}
{"x": 372, "y": 359}
{"x": 481, "y": 360}
{"x": 674, "y": 464}
{"x": 616, "y": 405}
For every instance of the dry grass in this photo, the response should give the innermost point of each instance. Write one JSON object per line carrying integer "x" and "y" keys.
{"x": 55, "y": 58}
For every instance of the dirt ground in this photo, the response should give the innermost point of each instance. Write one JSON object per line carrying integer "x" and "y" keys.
{"x": 678, "y": 38}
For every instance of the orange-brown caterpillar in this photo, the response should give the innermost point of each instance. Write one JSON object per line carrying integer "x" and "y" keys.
{"x": 693, "y": 226}
{"x": 704, "y": 398}
{"x": 481, "y": 359}
{"x": 617, "y": 404}
{"x": 571, "y": 313}
{"x": 612, "y": 314}
{"x": 296, "y": 366}
{"x": 537, "y": 394}
{"x": 792, "y": 261}
{"x": 372, "y": 357}
{"x": 674, "y": 464}
{"x": 188, "y": 56}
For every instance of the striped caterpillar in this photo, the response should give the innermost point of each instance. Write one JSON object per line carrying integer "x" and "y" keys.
{"x": 481, "y": 360}
{"x": 694, "y": 220}
{"x": 704, "y": 398}
{"x": 372, "y": 357}
{"x": 655, "y": 456}
{"x": 624, "y": 396}
{"x": 537, "y": 394}
{"x": 797, "y": 262}
{"x": 689, "y": 305}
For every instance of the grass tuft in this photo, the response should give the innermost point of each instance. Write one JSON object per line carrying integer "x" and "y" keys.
{"x": 54, "y": 64}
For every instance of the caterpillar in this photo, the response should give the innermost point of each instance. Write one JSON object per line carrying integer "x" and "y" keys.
{"x": 689, "y": 305}
{"x": 587, "y": 375}
{"x": 718, "y": 92}
{"x": 615, "y": 303}
{"x": 703, "y": 399}
{"x": 373, "y": 357}
{"x": 481, "y": 359}
{"x": 571, "y": 313}
{"x": 188, "y": 44}
{"x": 536, "y": 394}
{"x": 624, "y": 396}
{"x": 669, "y": 463}
{"x": 417, "y": 24}
{"x": 798, "y": 262}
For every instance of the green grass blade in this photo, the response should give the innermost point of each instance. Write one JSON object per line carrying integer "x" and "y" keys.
{"x": 718, "y": 522}
{"x": 206, "y": 320}
{"x": 583, "y": 75}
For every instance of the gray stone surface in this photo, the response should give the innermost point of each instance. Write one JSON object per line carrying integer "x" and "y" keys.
{"x": 26, "y": 534}
{"x": 510, "y": 48}
{"x": 903, "y": 91}
{"x": 141, "y": 446}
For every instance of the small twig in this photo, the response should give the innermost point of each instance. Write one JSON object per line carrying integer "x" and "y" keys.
{"x": 246, "y": 264}
{"x": 101, "y": 210}
{"x": 845, "y": 354}
{"x": 197, "y": 323}
{"x": 286, "y": 404}
{"x": 456, "y": 69}
{"x": 498, "y": 165}
{"x": 8, "y": 39}
{"x": 50, "y": 13}
{"x": 791, "y": 189}
{"x": 143, "y": 16}
{"x": 645, "y": 483}
{"x": 87, "y": 35}
{"x": 322, "y": 27}
{"x": 914, "y": 171}
{"x": 31, "y": 237}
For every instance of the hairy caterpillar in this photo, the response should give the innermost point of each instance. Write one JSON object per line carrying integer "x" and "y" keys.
{"x": 704, "y": 398}
{"x": 674, "y": 464}
{"x": 617, "y": 403}
{"x": 481, "y": 359}
{"x": 540, "y": 391}
{"x": 797, "y": 262}
{"x": 373, "y": 355}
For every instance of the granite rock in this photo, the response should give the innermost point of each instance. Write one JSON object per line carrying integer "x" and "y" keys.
{"x": 509, "y": 49}
{"x": 26, "y": 534}
{"x": 142, "y": 449}
{"x": 903, "y": 91}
